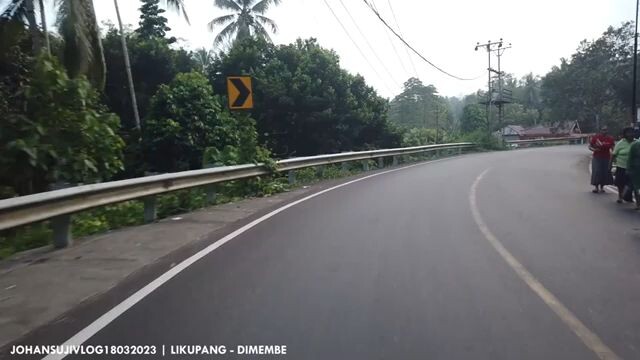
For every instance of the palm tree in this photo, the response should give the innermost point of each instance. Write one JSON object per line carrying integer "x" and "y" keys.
{"x": 247, "y": 20}
{"x": 178, "y": 6}
{"x": 204, "y": 58}
{"x": 83, "y": 53}
{"x": 24, "y": 10}
{"x": 78, "y": 27}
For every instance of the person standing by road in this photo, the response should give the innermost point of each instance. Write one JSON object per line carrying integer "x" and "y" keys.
{"x": 620, "y": 157}
{"x": 601, "y": 145}
{"x": 633, "y": 170}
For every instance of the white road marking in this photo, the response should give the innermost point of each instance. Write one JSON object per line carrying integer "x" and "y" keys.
{"x": 590, "y": 339}
{"x": 104, "y": 320}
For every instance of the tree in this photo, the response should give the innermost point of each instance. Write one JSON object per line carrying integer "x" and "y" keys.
{"x": 153, "y": 61}
{"x": 152, "y": 24}
{"x": 83, "y": 53}
{"x": 186, "y": 120}
{"x": 594, "y": 85}
{"x": 420, "y": 106}
{"x": 248, "y": 19}
{"x": 305, "y": 104}
{"x": 203, "y": 59}
{"x": 57, "y": 131}
{"x": 474, "y": 118}
{"x": 24, "y": 10}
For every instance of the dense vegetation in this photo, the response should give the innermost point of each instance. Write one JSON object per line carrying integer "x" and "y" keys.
{"x": 593, "y": 87}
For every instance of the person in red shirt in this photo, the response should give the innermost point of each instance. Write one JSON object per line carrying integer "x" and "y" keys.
{"x": 601, "y": 145}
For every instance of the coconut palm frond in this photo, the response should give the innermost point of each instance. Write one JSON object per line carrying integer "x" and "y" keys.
{"x": 178, "y": 5}
{"x": 228, "y": 4}
{"x": 263, "y": 5}
{"x": 222, "y": 20}
{"x": 227, "y": 32}
{"x": 263, "y": 20}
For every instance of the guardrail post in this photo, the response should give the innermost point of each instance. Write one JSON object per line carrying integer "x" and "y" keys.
{"x": 150, "y": 209}
{"x": 365, "y": 165}
{"x": 211, "y": 194}
{"x": 320, "y": 171}
{"x": 380, "y": 163}
{"x": 345, "y": 167}
{"x": 395, "y": 160}
{"x": 61, "y": 227}
{"x": 292, "y": 177}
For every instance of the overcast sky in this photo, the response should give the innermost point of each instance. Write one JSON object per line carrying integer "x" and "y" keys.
{"x": 444, "y": 31}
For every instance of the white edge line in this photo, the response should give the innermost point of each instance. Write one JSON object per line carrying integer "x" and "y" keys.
{"x": 104, "y": 320}
{"x": 588, "y": 338}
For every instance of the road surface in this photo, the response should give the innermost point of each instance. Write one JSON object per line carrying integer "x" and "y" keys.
{"x": 489, "y": 256}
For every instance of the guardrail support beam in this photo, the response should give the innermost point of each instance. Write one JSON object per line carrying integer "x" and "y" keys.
{"x": 380, "y": 163}
{"x": 150, "y": 209}
{"x": 320, "y": 171}
{"x": 61, "y": 227}
{"x": 211, "y": 194}
{"x": 292, "y": 177}
{"x": 365, "y": 165}
{"x": 395, "y": 161}
{"x": 345, "y": 167}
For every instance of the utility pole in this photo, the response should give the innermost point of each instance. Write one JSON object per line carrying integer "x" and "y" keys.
{"x": 498, "y": 48}
{"x": 634, "y": 104}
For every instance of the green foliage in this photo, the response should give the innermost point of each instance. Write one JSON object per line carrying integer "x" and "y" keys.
{"x": 420, "y": 106}
{"x": 153, "y": 63}
{"x": 474, "y": 118}
{"x": 83, "y": 52}
{"x": 484, "y": 140}
{"x": 186, "y": 122}
{"x": 422, "y": 136}
{"x": 594, "y": 85}
{"x": 61, "y": 134}
{"x": 152, "y": 24}
{"x": 23, "y": 238}
{"x": 110, "y": 217}
{"x": 305, "y": 104}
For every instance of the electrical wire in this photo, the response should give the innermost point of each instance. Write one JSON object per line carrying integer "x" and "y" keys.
{"x": 369, "y": 44}
{"x": 395, "y": 19}
{"x": 411, "y": 47}
{"x": 357, "y": 46}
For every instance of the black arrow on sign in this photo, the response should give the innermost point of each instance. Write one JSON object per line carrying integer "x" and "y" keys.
{"x": 243, "y": 90}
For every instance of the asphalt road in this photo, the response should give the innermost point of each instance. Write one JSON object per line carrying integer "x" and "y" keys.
{"x": 396, "y": 267}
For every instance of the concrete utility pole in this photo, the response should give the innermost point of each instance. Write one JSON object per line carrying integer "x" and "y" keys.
{"x": 497, "y": 47}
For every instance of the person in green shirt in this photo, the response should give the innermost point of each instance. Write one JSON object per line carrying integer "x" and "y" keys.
{"x": 620, "y": 158}
{"x": 633, "y": 170}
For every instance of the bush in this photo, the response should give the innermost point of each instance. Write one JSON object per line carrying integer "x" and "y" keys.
{"x": 62, "y": 134}
{"x": 484, "y": 140}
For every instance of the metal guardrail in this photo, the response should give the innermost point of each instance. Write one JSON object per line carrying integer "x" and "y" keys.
{"x": 59, "y": 205}
{"x": 578, "y": 139}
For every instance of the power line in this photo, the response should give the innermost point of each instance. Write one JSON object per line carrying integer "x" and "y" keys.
{"x": 411, "y": 47}
{"x": 369, "y": 44}
{"x": 395, "y": 19}
{"x": 393, "y": 45}
{"x": 357, "y": 47}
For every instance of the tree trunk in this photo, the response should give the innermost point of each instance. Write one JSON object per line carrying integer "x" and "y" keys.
{"x": 127, "y": 64}
{"x": 36, "y": 42}
{"x": 43, "y": 19}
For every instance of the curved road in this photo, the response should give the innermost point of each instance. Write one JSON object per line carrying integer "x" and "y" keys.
{"x": 428, "y": 262}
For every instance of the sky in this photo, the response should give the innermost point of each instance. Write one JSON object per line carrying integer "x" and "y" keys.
{"x": 445, "y": 32}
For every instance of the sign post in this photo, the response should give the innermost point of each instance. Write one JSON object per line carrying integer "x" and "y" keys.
{"x": 240, "y": 92}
